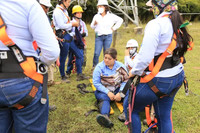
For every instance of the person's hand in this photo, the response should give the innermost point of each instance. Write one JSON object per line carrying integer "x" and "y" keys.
{"x": 75, "y": 24}
{"x": 130, "y": 74}
{"x": 58, "y": 62}
{"x": 111, "y": 96}
{"x": 95, "y": 23}
{"x": 117, "y": 97}
{"x": 126, "y": 52}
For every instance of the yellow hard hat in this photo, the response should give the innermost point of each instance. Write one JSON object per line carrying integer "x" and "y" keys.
{"x": 77, "y": 8}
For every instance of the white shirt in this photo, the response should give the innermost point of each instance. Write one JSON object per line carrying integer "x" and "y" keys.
{"x": 106, "y": 24}
{"x": 128, "y": 61}
{"x": 60, "y": 19}
{"x": 157, "y": 37}
{"x": 26, "y": 21}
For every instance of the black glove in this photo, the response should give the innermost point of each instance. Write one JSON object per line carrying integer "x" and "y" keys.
{"x": 83, "y": 34}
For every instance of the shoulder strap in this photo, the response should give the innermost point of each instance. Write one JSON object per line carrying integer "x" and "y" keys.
{"x": 160, "y": 61}
{"x": 65, "y": 15}
{"x": 26, "y": 63}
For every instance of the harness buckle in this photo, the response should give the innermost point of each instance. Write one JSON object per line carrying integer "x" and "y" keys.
{"x": 3, "y": 55}
{"x": 41, "y": 67}
{"x": 43, "y": 100}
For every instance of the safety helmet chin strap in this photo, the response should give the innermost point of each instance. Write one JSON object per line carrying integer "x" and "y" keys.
{"x": 63, "y": 4}
{"x": 160, "y": 7}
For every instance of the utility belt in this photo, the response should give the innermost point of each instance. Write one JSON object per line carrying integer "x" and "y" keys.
{"x": 60, "y": 33}
{"x": 169, "y": 62}
{"x": 10, "y": 68}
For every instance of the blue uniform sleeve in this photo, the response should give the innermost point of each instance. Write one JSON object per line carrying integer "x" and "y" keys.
{"x": 97, "y": 80}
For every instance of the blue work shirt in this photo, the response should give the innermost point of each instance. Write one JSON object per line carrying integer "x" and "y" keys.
{"x": 26, "y": 22}
{"x": 102, "y": 69}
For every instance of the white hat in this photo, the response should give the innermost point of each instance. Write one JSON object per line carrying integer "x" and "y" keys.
{"x": 102, "y": 2}
{"x": 149, "y": 3}
{"x": 132, "y": 43}
{"x": 47, "y": 3}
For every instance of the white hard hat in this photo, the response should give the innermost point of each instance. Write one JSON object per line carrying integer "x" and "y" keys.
{"x": 102, "y": 2}
{"x": 132, "y": 43}
{"x": 46, "y": 3}
{"x": 149, "y": 3}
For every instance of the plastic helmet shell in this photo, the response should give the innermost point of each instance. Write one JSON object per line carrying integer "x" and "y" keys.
{"x": 46, "y": 3}
{"x": 102, "y": 2}
{"x": 132, "y": 43}
{"x": 76, "y": 9}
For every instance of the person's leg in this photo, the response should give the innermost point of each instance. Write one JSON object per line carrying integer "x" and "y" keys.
{"x": 107, "y": 42}
{"x": 70, "y": 64}
{"x": 6, "y": 121}
{"x": 51, "y": 74}
{"x": 77, "y": 52}
{"x": 163, "y": 105}
{"x": 63, "y": 55}
{"x": 144, "y": 96}
{"x": 97, "y": 51}
{"x": 105, "y": 107}
{"x": 32, "y": 118}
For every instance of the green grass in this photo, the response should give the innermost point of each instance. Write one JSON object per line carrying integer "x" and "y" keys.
{"x": 71, "y": 105}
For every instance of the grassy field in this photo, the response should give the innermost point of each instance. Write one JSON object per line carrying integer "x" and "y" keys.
{"x": 71, "y": 104}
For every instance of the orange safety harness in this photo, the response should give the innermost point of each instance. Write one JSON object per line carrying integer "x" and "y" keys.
{"x": 28, "y": 65}
{"x": 154, "y": 68}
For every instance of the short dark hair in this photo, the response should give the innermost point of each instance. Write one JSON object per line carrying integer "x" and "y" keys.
{"x": 107, "y": 8}
{"x": 112, "y": 52}
{"x": 61, "y": 2}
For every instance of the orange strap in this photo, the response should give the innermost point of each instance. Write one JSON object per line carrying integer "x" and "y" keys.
{"x": 65, "y": 15}
{"x": 160, "y": 61}
{"x": 28, "y": 65}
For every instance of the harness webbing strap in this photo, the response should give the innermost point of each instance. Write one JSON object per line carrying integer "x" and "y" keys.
{"x": 26, "y": 63}
{"x": 29, "y": 69}
{"x": 153, "y": 87}
{"x": 3, "y": 35}
{"x": 28, "y": 98}
{"x": 160, "y": 61}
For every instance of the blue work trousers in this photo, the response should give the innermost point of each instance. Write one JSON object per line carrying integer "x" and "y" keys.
{"x": 31, "y": 119}
{"x": 102, "y": 97}
{"x": 66, "y": 46}
{"x": 103, "y": 41}
{"x": 145, "y": 96}
{"x": 71, "y": 58}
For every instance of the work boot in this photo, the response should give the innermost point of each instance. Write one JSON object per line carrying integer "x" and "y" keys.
{"x": 122, "y": 117}
{"x": 81, "y": 76}
{"x": 68, "y": 75}
{"x": 64, "y": 79}
{"x": 52, "y": 107}
{"x": 104, "y": 120}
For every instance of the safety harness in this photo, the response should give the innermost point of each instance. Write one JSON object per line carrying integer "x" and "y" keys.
{"x": 14, "y": 64}
{"x": 161, "y": 62}
{"x": 60, "y": 33}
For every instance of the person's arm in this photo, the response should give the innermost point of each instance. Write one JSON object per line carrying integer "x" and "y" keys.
{"x": 148, "y": 48}
{"x": 128, "y": 61}
{"x": 59, "y": 18}
{"x": 85, "y": 29}
{"x": 93, "y": 24}
{"x": 97, "y": 80}
{"x": 117, "y": 20}
{"x": 43, "y": 34}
